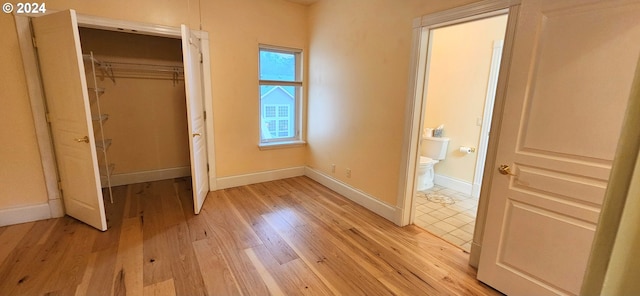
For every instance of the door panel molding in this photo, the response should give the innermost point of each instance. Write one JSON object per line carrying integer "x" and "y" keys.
{"x": 568, "y": 85}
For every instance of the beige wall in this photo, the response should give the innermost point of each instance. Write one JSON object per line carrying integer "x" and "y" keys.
{"x": 21, "y": 175}
{"x": 235, "y": 27}
{"x": 147, "y": 117}
{"x": 457, "y": 86}
{"x": 359, "y": 59}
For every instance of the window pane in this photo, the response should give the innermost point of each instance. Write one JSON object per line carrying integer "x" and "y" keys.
{"x": 270, "y": 111}
{"x": 277, "y": 66}
{"x": 283, "y": 125}
{"x": 278, "y": 118}
{"x": 283, "y": 111}
{"x": 271, "y": 126}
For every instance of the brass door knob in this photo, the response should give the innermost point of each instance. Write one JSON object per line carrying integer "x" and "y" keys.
{"x": 505, "y": 170}
{"x": 196, "y": 135}
{"x": 80, "y": 140}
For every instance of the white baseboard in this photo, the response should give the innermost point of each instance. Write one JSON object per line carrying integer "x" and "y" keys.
{"x": 453, "y": 184}
{"x": 266, "y": 176}
{"x": 24, "y": 214}
{"x": 373, "y": 204}
{"x": 149, "y": 176}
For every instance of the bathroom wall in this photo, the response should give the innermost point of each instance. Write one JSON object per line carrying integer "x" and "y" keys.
{"x": 457, "y": 86}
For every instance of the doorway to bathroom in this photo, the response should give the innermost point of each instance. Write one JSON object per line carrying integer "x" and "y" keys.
{"x": 462, "y": 66}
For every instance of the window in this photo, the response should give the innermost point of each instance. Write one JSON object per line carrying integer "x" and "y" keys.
{"x": 280, "y": 95}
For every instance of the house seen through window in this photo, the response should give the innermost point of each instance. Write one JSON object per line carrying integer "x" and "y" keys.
{"x": 280, "y": 92}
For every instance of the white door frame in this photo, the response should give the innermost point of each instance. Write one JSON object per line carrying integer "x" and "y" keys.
{"x": 487, "y": 115}
{"x": 415, "y": 103}
{"x": 38, "y": 105}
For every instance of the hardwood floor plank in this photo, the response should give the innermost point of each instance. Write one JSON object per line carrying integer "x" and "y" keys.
{"x": 285, "y": 237}
{"x": 340, "y": 273}
{"x": 129, "y": 259}
{"x": 218, "y": 277}
{"x": 83, "y": 287}
{"x": 293, "y": 277}
{"x": 186, "y": 272}
{"x": 233, "y": 238}
{"x": 198, "y": 227}
{"x": 156, "y": 253}
{"x": 68, "y": 269}
{"x": 267, "y": 278}
{"x": 166, "y": 288}
{"x": 11, "y": 237}
{"x": 221, "y": 218}
{"x": 251, "y": 209}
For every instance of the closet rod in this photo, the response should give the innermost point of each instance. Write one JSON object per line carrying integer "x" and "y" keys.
{"x": 141, "y": 67}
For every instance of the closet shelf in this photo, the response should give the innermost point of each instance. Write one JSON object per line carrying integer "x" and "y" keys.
{"x": 102, "y": 118}
{"x": 103, "y": 144}
{"x": 90, "y": 58}
{"x": 105, "y": 174}
{"x": 99, "y": 90}
{"x": 107, "y": 170}
{"x": 94, "y": 93}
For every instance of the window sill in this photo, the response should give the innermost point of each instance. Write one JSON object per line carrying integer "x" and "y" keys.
{"x": 279, "y": 145}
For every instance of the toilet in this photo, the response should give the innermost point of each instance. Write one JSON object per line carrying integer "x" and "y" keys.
{"x": 433, "y": 150}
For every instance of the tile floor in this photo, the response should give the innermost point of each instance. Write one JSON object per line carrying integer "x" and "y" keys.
{"x": 448, "y": 214}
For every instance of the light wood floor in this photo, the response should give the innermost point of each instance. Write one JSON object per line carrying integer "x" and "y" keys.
{"x": 287, "y": 237}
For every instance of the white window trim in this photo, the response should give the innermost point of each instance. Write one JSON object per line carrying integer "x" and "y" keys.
{"x": 298, "y": 129}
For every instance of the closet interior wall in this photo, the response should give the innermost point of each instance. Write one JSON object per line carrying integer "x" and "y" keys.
{"x": 147, "y": 111}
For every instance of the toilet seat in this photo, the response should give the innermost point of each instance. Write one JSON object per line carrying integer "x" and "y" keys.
{"x": 426, "y": 160}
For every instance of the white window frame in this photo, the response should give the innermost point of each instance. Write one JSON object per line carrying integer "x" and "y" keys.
{"x": 296, "y": 125}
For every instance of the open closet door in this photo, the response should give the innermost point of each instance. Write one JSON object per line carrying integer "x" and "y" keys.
{"x": 195, "y": 116}
{"x": 65, "y": 88}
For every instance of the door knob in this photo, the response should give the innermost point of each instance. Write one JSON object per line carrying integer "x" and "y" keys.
{"x": 80, "y": 140}
{"x": 196, "y": 135}
{"x": 505, "y": 170}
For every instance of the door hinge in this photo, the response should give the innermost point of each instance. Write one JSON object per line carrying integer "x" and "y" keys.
{"x": 33, "y": 40}
{"x": 201, "y": 58}
{"x": 47, "y": 117}
{"x": 60, "y": 188}
{"x": 204, "y": 113}
{"x": 207, "y": 167}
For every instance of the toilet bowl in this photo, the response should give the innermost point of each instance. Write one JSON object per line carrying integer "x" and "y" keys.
{"x": 426, "y": 173}
{"x": 433, "y": 150}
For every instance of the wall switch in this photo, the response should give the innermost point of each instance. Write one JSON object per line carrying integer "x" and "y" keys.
{"x": 333, "y": 167}
{"x": 348, "y": 173}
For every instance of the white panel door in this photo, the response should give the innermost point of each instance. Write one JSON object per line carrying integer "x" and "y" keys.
{"x": 65, "y": 88}
{"x": 571, "y": 72}
{"x": 195, "y": 116}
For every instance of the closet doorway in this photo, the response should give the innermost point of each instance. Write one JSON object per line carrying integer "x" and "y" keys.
{"x": 75, "y": 81}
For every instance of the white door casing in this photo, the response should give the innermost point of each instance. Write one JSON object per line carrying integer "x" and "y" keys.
{"x": 195, "y": 116}
{"x": 65, "y": 88}
{"x": 571, "y": 71}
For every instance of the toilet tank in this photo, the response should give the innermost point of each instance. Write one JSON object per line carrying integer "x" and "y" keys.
{"x": 435, "y": 148}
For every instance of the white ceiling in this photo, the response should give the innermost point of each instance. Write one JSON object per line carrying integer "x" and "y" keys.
{"x": 305, "y": 2}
